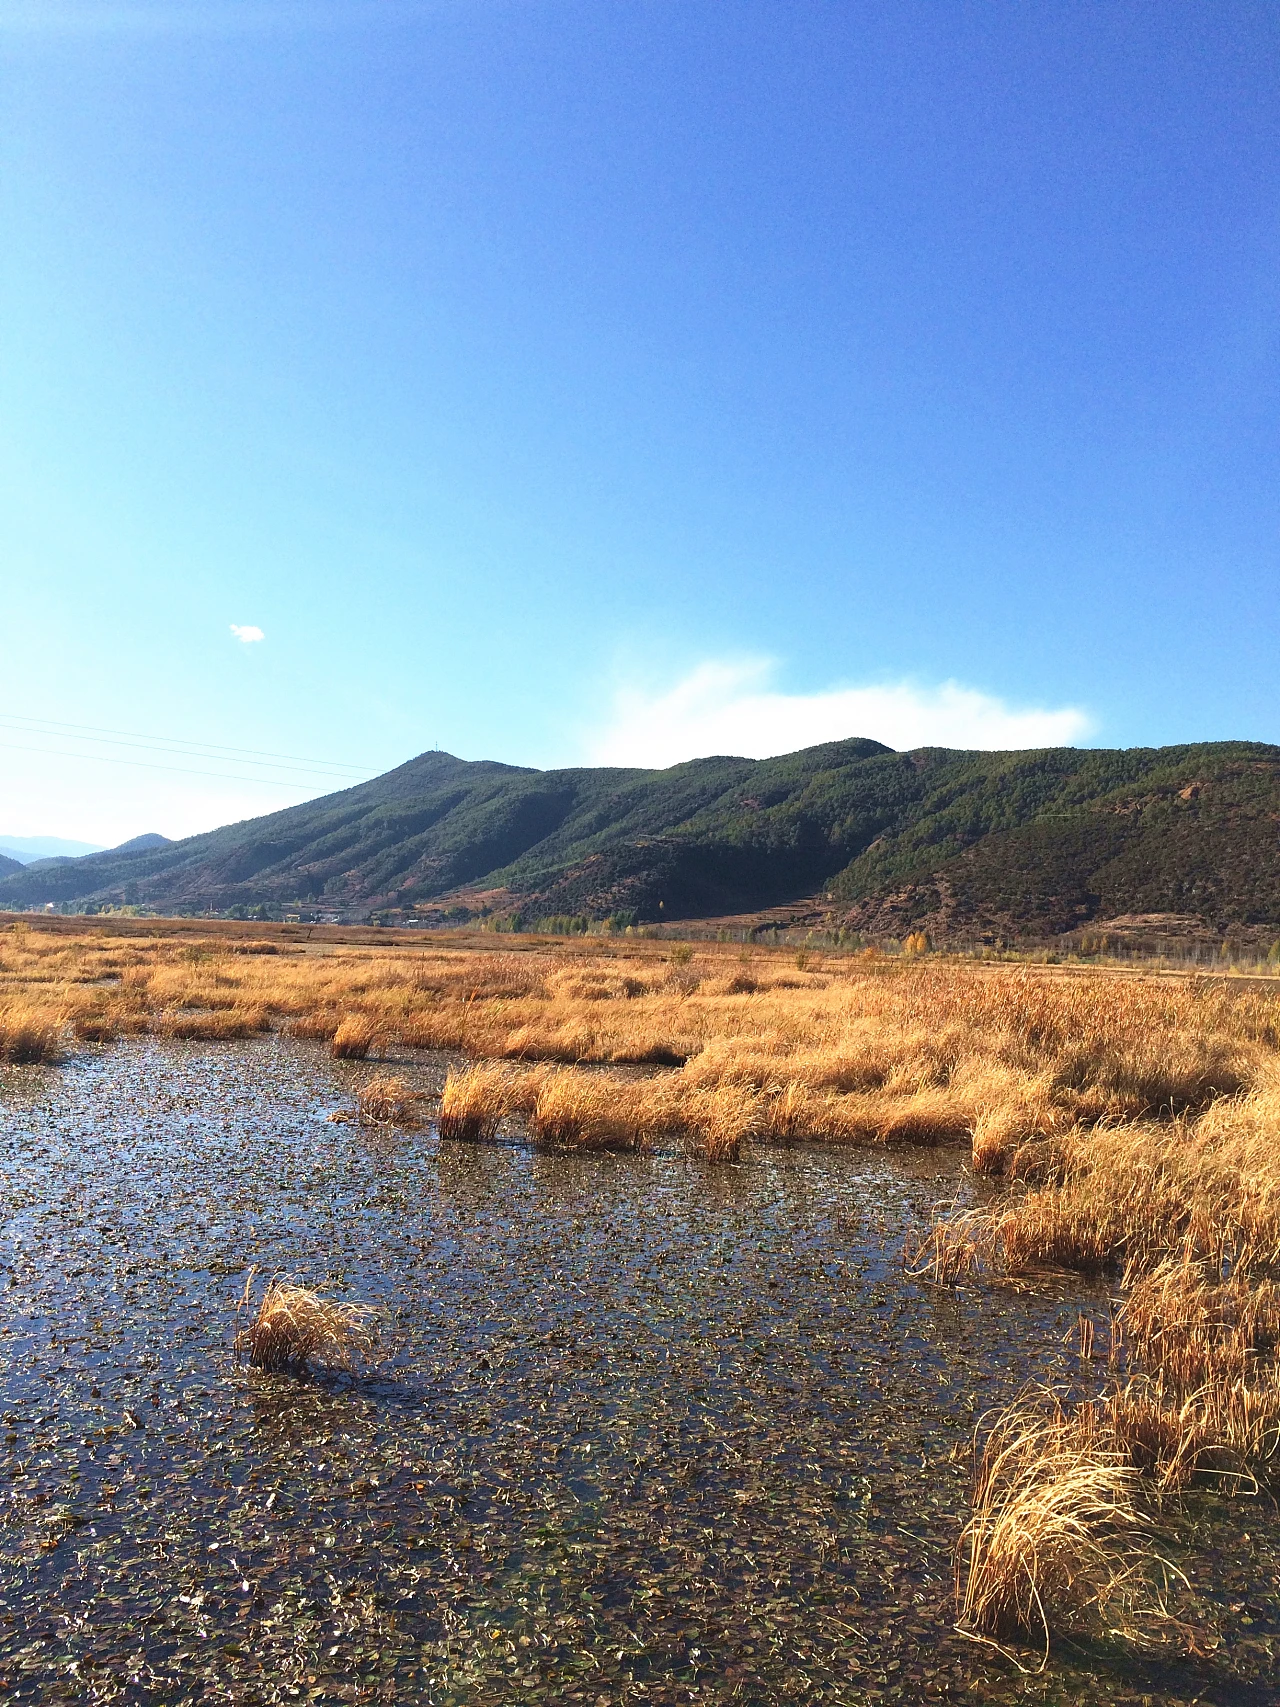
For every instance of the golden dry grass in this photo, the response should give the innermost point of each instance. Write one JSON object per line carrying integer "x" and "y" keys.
{"x": 294, "y": 1329}
{"x": 581, "y": 1111}
{"x": 1030, "y": 1066}
{"x": 1128, "y": 1123}
{"x": 1046, "y": 1048}
{"x": 356, "y": 1038}
{"x": 30, "y": 1033}
{"x": 1056, "y": 1081}
{"x": 474, "y": 1102}
{"x": 221, "y": 1025}
{"x": 389, "y": 1101}
{"x": 1185, "y": 1213}
{"x": 568, "y": 1109}
{"x": 1057, "y": 1533}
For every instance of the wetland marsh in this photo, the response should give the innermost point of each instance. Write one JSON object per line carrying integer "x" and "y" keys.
{"x": 640, "y": 1426}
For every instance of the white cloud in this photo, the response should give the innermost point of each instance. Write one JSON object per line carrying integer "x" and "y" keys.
{"x": 730, "y": 707}
{"x": 246, "y": 632}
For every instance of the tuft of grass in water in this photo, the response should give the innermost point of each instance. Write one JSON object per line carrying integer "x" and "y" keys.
{"x": 294, "y": 1329}
{"x": 96, "y": 1026}
{"x": 356, "y": 1038}
{"x": 29, "y": 1034}
{"x": 1056, "y": 1534}
{"x": 474, "y": 1101}
{"x": 317, "y": 1026}
{"x": 1189, "y": 1210}
{"x": 388, "y": 1102}
{"x": 383, "y": 1102}
{"x": 956, "y": 1245}
{"x": 1185, "y": 1319}
{"x": 573, "y": 1110}
{"x": 594, "y": 1111}
{"x": 716, "y": 1123}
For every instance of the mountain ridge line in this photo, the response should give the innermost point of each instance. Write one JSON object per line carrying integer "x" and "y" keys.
{"x": 956, "y": 842}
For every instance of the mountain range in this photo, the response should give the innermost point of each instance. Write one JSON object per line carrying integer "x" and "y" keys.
{"x": 23, "y": 850}
{"x": 972, "y": 844}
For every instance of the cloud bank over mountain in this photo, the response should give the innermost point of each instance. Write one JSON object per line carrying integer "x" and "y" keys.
{"x": 731, "y": 706}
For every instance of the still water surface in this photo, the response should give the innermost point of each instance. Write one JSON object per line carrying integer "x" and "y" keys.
{"x": 641, "y": 1431}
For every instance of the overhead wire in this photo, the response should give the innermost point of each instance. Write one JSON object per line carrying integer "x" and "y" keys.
{"x": 183, "y": 770}
{"x": 173, "y": 744}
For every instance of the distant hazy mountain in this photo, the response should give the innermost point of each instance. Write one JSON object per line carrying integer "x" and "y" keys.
{"x": 41, "y": 850}
{"x": 7, "y": 865}
{"x": 959, "y": 843}
{"x": 27, "y": 848}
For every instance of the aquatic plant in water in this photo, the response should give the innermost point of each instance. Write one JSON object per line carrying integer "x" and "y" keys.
{"x": 294, "y": 1329}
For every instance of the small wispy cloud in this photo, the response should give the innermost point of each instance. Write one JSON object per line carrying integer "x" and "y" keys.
{"x": 730, "y": 707}
{"x": 246, "y": 633}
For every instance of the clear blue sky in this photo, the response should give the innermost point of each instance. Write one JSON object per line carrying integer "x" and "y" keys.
{"x": 552, "y": 380}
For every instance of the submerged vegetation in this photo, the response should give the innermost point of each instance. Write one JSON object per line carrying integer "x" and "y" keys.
{"x": 1119, "y": 1126}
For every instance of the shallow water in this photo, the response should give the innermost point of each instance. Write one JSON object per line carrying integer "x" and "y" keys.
{"x": 641, "y": 1430}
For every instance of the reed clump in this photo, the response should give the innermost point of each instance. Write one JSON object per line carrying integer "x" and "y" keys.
{"x": 1195, "y": 1325}
{"x": 715, "y": 1124}
{"x": 567, "y": 1108}
{"x": 599, "y": 1111}
{"x": 29, "y": 1034}
{"x": 389, "y": 1102}
{"x": 294, "y": 1329}
{"x": 98, "y": 1026}
{"x": 1185, "y": 1213}
{"x": 1057, "y": 1533}
{"x": 596, "y": 1111}
{"x": 356, "y": 1038}
{"x": 475, "y": 1101}
{"x": 223, "y": 1025}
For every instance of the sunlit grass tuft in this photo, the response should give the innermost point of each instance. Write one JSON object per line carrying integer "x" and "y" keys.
{"x": 596, "y": 1111}
{"x": 474, "y": 1101}
{"x": 1057, "y": 1532}
{"x": 388, "y": 1102}
{"x": 294, "y": 1329}
{"x": 29, "y": 1034}
{"x": 221, "y": 1026}
{"x": 356, "y": 1038}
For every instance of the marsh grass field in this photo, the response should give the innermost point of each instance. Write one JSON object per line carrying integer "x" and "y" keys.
{"x": 742, "y": 1325}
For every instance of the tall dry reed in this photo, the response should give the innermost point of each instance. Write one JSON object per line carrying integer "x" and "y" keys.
{"x": 475, "y": 1101}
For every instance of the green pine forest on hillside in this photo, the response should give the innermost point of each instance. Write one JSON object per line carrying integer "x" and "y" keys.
{"x": 1023, "y": 844}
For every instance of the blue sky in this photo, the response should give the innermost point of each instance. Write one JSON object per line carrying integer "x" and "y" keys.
{"x": 566, "y": 382}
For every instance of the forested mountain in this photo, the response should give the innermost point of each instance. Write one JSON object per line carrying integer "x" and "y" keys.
{"x": 1024, "y": 843}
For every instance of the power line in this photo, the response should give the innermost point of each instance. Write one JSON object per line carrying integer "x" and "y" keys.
{"x": 193, "y": 753}
{"x": 170, "y": 743}
{"x": 150, "y": 764}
